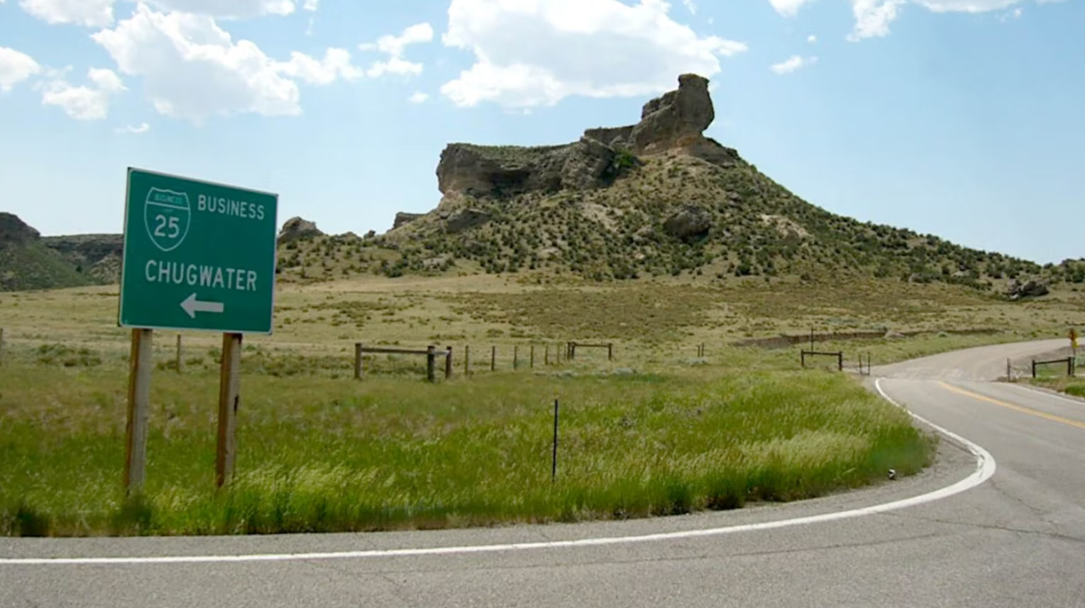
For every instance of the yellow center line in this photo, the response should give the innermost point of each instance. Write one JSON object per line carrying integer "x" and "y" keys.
{"x": 1024, "y": 410}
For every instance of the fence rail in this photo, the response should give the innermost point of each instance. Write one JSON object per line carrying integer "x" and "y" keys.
{"x": 1069, "y": 361}
{"x": 431, "y": 353}
{"x": 812, "y": 353}
{"x": 570, "y": 349}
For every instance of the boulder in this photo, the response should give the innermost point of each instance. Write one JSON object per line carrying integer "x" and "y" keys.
{"x": 688, "y": 223}
{"x": 298, "y": 228}
{"x": 1033, "y": 288}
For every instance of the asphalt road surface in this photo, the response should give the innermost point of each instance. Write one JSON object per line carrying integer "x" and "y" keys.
{"x": 999, "y": 521}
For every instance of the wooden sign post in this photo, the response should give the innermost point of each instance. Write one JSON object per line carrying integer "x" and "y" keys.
{"x": 1073, "y": 349}
{"x": 185, "y": 269}
{"x": 229, "y": 400}
{"x": 140, "y": 364}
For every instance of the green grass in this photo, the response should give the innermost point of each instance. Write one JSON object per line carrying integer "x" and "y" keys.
{"x": 320, "y": 454}
{"x": 32, "y": 265}
{"x": 1054, "y": 377}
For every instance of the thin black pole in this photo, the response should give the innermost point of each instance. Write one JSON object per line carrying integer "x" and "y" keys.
{"x": 554, "y": 466}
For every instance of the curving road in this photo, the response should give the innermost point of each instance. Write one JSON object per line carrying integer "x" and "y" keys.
{"x": 999, "y": 521}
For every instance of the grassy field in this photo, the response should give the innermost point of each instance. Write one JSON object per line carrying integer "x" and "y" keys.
{"x": 317, "y": 454}
{"x": 1054, "y": 377}
{"x": 659, "y": 430}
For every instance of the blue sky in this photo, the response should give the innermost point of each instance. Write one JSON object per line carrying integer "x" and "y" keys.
{"x": 961, "y": 118}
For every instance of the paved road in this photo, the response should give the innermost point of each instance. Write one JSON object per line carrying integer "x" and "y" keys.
{"x": 1016, "y": 539}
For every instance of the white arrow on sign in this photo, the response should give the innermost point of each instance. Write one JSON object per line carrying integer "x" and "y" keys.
{"x": 193, "y": 306}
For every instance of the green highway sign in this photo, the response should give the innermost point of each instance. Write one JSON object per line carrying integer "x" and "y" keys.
{"x": 197, "y": 255}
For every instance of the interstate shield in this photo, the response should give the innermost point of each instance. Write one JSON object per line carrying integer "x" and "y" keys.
{"x": 167, "y": 215}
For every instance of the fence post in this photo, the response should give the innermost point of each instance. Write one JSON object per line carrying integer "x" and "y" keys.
{"x": 532, "y": 360}
{"x": 431, "y": 363}
{"x": 467, "y": 360}
{"x": 1009, "y": 370}
{"x": 493, "y": 358}
{"x": 802, "y": 357}
{"x": 358, "y": 360}
{"x": 1034, "y": 369}
{"x": 554, "y": 466}
{"x": 448, "y": 363}
{"x": 515, "y": 356}
{"x": 840, "y": 358}
{"x": 610, "y": 351}
{"x": 178, "y": 353}
{"x": 1070, "y": 366}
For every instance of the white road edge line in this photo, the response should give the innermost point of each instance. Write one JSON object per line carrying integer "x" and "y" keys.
{"x": 985, "y": 468}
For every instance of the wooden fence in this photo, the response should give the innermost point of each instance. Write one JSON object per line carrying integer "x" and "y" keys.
{"x": 810, "y": 353}
{"x": 570, "y": 349}
{"x": 1068, "y": 361}
{"x": 431, "y": 354}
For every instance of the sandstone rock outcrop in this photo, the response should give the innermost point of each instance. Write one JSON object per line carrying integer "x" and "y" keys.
{"x": 298, "y": 228}
{"x": 511, "y": 170}
{"x": 403, "y": 218}
{"x": 673, "y": 121}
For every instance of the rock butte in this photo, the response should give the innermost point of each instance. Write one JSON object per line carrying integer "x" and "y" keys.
{"x": 673, "y": 121}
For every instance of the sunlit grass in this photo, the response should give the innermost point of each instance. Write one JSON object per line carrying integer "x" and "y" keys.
{"x": 319, "y": 454}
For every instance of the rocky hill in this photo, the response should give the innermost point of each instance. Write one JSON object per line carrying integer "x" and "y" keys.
{"x": 95, "y": 255}
{"x": 26, "y": 262}
{"x": 649, "y": 199}
{"x": 659, "y": 198}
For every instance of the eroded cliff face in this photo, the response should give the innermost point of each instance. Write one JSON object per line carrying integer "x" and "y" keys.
{"x": 673, "y": 121}
{"x": 513, "y": 170}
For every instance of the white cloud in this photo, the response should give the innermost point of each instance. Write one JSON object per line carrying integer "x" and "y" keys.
{"x": 84, "y": 102}
{"x": 812, "y": 39}
{"x": 788, "y": 8}
{"x": 965, "y": 6}
{"x": 228, "y": 9}
{"x": 793, "y": 63}
{"x": 311, "y": 5}
{"x": 418, "y": 97}
{"x": 335, "y": 65}
{"x": 537, "y": 53}
{"x": 394, "y": 47}
{"x": 691, "y": 6}
{"x": 193, "y": 69}
{"x": 139, "y": 129}
{"x": 89, "y": 13}
{"x": 99, "y": 13}
{"x": 15, "y": 67}
{"x": 872, "y": 17}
